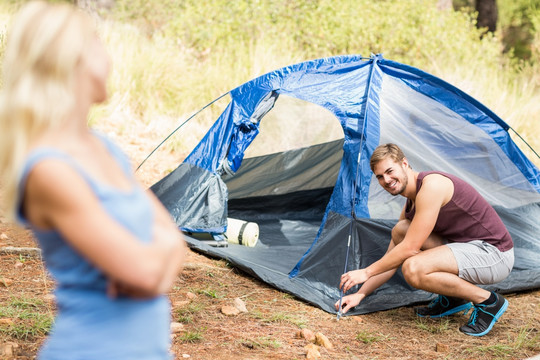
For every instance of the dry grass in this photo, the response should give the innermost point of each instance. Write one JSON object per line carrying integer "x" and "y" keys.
{"x": 268, "y": 330}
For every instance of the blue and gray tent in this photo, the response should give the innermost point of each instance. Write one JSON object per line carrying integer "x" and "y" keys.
{"x": 308, "y": 201}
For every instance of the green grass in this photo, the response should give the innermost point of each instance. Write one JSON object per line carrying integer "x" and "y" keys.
{"x": 368, "y": 338}
{"x": 434, "y": 326}
{"x": 261, "y": 342}
{"x": 211, "y": 293}
{"x": 186, "y": 314}
{"x": 31, "y": 318}
{"x": 191, "y": 336}
{"x": 278, "y": 317}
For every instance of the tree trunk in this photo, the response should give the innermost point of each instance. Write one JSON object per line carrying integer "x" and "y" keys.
{"x": 487, "y": 14}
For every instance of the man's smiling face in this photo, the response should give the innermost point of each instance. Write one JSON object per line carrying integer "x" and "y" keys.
{"x": 392, "y": 175}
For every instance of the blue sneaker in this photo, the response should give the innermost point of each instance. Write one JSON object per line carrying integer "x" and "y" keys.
{"x": 484, "y": 317}
{"x": 443, "y": 306}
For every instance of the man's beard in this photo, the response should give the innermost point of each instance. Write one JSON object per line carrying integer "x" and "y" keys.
{"x": 404, "y": 181}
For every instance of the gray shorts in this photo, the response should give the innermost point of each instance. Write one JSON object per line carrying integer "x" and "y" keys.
{"x": 482, "y": 263}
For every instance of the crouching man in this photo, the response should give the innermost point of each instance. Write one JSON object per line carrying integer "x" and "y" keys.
{"x": 448, "y": 240}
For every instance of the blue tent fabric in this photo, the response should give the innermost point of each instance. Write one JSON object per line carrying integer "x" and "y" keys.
{"x": 305, "y": 212}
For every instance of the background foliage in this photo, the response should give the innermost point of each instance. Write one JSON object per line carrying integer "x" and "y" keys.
{"x": 173, "y": 57}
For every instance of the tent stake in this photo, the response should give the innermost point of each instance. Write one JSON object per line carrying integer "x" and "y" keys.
{"x": 344, "y": 271}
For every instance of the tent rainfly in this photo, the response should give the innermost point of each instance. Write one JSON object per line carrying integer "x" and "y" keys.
{"x": 308, "y": 201}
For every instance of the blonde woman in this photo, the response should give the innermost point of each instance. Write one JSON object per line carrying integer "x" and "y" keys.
{"x": 110, "y": 246}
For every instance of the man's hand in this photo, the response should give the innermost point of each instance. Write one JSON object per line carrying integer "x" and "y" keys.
{"x": 352, "y": 278}
{"x": 349, "y": 302}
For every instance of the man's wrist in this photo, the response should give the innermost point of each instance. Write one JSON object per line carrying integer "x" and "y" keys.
{"x": 369, "y": 271}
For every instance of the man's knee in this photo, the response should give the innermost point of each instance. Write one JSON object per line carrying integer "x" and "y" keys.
{"x": 400, "y": 230}
{"x": 413, "y": 272}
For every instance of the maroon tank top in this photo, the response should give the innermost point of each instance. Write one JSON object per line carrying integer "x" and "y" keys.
{"x": 466, "y": 217}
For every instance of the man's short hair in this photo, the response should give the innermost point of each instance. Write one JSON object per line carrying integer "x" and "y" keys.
{"x": 384, "y": 151}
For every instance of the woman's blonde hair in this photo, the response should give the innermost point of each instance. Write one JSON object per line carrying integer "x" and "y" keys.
{"x": 44, "y": 47}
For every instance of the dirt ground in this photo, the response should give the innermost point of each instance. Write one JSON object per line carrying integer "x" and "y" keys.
{"x": 268, "y": 330}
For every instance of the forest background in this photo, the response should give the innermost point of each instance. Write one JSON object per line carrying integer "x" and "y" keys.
{"x": 170, "y": 58}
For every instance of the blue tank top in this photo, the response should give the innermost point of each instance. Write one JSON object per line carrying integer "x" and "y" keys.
{"x": 89, "y": 325}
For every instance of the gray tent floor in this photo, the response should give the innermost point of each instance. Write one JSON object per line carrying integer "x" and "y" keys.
{"x": 286, "y": 240}
{"x": 282, "y": 244}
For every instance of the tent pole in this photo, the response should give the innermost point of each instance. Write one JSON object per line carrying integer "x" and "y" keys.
{"x": 526, "y": 143}
{"x": 374, "y": 59}
{"x": 178, "y": 128}
{"x": 344, "y": 271}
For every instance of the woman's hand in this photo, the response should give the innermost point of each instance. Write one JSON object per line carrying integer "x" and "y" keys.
{"x": 116, "y": 289}
{"x": 352, "y": 278}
